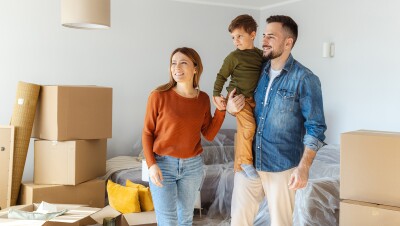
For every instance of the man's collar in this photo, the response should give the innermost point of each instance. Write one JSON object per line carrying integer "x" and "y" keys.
{"x": 287, "y": 67}
{"x": 289, "y": 63}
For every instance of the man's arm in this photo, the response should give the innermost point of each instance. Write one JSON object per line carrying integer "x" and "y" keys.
{"x": 313, "y": 112}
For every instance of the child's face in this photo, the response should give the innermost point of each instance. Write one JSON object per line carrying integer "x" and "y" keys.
{"x": 243, "y": 40}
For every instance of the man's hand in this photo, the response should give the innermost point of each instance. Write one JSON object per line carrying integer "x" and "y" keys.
{"x": 219, "y": 102}
{"x": 155, "y": 175}
{"x": 235, "y": 103}
{"x": 298, "y": 179}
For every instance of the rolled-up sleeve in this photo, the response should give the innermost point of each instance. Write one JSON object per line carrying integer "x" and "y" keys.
{"x": 313, "y": 112}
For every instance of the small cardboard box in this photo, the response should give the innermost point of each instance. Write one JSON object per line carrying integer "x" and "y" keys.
{"x": 73, "y": 113}
{"x": 353, "y": 213}
{"x": 69, "y": 162}
{"x": 370, "y": 166}
{"x": 89, "y": 193}
{"x": 77, "y": 215}
{"x": 128, "y": 219}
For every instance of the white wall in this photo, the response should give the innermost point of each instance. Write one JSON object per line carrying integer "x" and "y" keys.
{"x": 361, "y": 84}
{"x": 132, "y": 57}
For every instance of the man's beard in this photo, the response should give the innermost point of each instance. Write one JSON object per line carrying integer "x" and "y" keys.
{"x": 272, "y": 55}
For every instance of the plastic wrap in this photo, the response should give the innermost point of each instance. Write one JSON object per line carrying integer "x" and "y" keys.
{"x": 316, "y": 204}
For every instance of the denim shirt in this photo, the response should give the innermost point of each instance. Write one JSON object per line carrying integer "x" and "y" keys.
{"x": 291, "y": 118}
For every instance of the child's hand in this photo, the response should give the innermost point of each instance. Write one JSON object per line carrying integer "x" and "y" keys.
{"x": 220, "y": 103}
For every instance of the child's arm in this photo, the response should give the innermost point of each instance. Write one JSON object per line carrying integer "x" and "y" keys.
{"x": 223, "y": 75}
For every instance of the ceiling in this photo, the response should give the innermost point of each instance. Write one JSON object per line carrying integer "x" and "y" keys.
{"x": 247, "y": 4}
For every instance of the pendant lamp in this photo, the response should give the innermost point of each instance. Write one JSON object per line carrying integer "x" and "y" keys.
{"x": 85, "y": 14}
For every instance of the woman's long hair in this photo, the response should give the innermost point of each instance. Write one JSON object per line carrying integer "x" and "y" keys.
{"x": 195, "y": 58}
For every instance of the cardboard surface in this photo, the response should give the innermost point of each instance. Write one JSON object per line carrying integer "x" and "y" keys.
{"x": 77, "y": 215}
{"x": 370, "y": 166}
{"x": 73, "y": 112}
{"x": 6, "y": 164}
{"x": 90, "y": 193}
{"x": 69, "y": 162}
{"x": 353, "y": 213}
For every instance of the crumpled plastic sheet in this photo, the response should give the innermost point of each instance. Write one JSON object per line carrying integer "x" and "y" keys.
{"x": 316, "y": 204}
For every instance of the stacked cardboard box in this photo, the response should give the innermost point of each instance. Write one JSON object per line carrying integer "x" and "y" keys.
{"x": 72, "y": 125}
{"x": 369, "y": 178}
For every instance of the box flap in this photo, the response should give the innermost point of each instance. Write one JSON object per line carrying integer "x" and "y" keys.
{"x": 107, "y": 211}
{"x": 142, "y": 218}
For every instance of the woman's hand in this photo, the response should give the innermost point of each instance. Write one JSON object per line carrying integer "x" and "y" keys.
{"x": 219, "y": 102}
{"x": 155, "y": 175}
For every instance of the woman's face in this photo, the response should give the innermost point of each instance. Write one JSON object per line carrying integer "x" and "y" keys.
{"x": 182, "y": 68}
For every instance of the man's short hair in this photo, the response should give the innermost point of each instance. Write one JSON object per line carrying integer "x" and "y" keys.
{"x": 244, "y": 21}
{"x": 288, "y": 25}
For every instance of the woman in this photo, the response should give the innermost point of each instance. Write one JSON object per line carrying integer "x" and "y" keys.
{"x": 177, "y": 113}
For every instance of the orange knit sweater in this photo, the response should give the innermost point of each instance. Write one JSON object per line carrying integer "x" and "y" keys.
{"x": 173, "y": 124}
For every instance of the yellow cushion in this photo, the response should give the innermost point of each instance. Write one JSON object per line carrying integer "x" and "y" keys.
{"x": 146, "y": 202}
{"x": 124, "y": 199}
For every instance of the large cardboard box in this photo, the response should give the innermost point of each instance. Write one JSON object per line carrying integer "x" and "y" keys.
{"x": 89, "y": 193}
{"x": 69, "y": 162}
{"x": 127, "y": 219}
{"x": 353, "y": 213}
{"x": 77, "y": 215}
{"x": 6, "y": 164}
{"x": 73, "y": 113}
{"x": 370, "y": 166}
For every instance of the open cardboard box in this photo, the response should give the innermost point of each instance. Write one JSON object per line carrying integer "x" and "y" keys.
{"x": 79, "y": 215}
{"x": 127, "y": 219}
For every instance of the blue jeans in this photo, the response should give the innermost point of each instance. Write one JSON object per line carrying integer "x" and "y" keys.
{"x": 174, "y": 202}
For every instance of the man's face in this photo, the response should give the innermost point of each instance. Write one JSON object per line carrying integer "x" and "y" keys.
{"x": 274, "y": 38}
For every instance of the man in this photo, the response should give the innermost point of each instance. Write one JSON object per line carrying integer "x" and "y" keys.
{"x": 290, "y": 129}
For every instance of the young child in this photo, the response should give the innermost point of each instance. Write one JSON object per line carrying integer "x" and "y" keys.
{"x": 243, "y": 65}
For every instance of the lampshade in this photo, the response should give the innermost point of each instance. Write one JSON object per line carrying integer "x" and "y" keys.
{"x": 85, "y": 14}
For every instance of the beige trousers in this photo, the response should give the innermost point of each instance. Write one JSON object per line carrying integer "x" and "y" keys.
{"x": 248, "y": 194}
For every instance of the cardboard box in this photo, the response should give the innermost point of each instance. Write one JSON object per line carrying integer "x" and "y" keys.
{"x": 69, "y": 162}
{"x": 73, "y": 113}
{"x": 6, "y": 164}
{"x": 370, "y": 166}
{"x": 77, "y": 215}
{"x": 353, "y": 213}
{"x": 128, "y": 219}
{"x": 89, "y": 193}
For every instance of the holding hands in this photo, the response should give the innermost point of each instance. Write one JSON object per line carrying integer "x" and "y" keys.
{"x": 220, "y": 102}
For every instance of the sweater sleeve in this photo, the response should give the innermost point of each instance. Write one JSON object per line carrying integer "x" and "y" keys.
{"x": 149, "y": 127}
{"x": 223, "y": 74}
{"x": 211, "y": 125}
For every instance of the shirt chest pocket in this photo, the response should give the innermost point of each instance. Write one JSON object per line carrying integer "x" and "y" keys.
{"x": 286, "y": 101}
